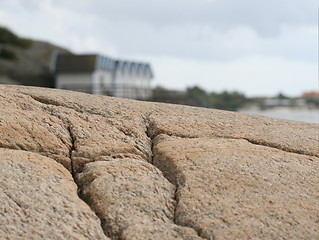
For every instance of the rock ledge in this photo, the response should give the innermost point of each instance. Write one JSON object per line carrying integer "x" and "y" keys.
{"x": 78, "y": 166}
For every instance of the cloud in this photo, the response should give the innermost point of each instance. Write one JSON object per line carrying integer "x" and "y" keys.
{"x": 265, "y": 16}
{"x": 254, "y": 46}
{"x": 203, "y": 29}
{"x": 217, "y": 29}
{"x": 3, "y": 18}
{"x": 203, "y": 42}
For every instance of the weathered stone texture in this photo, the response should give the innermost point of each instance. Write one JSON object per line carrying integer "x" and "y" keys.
{"x": 151, "y": 171}
{"x": 24, "y": 125}
{"x": 98, "y": 137}
{"x": 232, "y": 189}
{"x": 190, "y": 122}
{"x": 132, "y": 199}
{"x": 39, "y": 200}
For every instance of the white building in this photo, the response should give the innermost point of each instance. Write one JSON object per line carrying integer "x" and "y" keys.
{"x": 103, "y": 75}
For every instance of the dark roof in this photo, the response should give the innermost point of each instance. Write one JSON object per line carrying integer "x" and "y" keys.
{"x": 75, "y": 63}
{"x": 69, "y": 63}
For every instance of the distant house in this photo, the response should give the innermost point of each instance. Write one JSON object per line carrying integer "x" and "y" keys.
{"x": 102, "y": 75}
{"x": 312, "y": 94}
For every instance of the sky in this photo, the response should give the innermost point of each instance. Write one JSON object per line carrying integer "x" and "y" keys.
{"x": 257, "y": 47}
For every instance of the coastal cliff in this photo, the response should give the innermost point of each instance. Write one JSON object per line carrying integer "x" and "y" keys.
{"x": 79, "y": 166}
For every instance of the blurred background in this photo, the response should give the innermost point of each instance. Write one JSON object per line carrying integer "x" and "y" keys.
{"x": 252, "y": 56}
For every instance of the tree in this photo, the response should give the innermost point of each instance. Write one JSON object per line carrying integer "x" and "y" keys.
{"x": 197, "y": 96}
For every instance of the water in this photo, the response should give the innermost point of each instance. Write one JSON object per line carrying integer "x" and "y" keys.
{"x": 303, "y": 115}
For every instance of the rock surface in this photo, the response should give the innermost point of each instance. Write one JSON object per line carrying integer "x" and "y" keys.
{"x": 139, "y": 204}
{"x": 250, "y": 190}
{"x": 39, "y": 200}
{"x": 151, "y": 171}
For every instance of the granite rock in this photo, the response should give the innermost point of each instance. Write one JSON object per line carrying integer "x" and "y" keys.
{"x": 39, "y": 200}
{"x": 133, "y": 200}
{"x": 233, "y": 189}
{"x": 151, "y": 171}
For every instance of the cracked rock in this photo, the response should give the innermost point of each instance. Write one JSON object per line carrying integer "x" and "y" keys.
{"x": 98, "y": 137}
{"x": 232, "y": 189}
{"x": 151, "y": 171}
{"x": 133, "y": 200}
{"x": 24, "y": 125}
{"x": 39, "y": 200}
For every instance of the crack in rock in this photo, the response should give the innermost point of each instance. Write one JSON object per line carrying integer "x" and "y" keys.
{"x": 175, "y": 183}
{"x": 52, "y": 102}
{"x": 147, "y": 118}
{"x": 111, "y": 121}
{"x": 151, "y": 136}
{"x": 79, "y": 190}
{"x": 278, "y": 147}
{"x": 250, "y": 140}
{"x": 72, "y": 148}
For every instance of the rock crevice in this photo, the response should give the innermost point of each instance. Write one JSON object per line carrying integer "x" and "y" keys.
{"x": 152, "y": 138}
{"x": 152, "y": 171}
{"x": 72, "y": 149}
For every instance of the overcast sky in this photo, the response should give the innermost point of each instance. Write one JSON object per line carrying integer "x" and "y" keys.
{"x": 258, "y": 47}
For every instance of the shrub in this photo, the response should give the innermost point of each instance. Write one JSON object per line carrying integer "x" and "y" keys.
{"x": 9, "y": 38}
{"x": 7, "y": 54}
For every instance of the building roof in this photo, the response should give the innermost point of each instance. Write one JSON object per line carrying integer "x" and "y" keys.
{"x": 69, "y": 63}
{"x": 312, "y": 94}
{"x": 138, "y": 68}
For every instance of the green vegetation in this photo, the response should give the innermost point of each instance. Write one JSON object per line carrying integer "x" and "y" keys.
{"x": 7, "y": 40}
{"x": 24, "y": 61}
{"x": 195, "y": 96}
{"x": 232, "y": 101}
{"x": 8, "y": 54}
{"x": 228, "y": 100}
